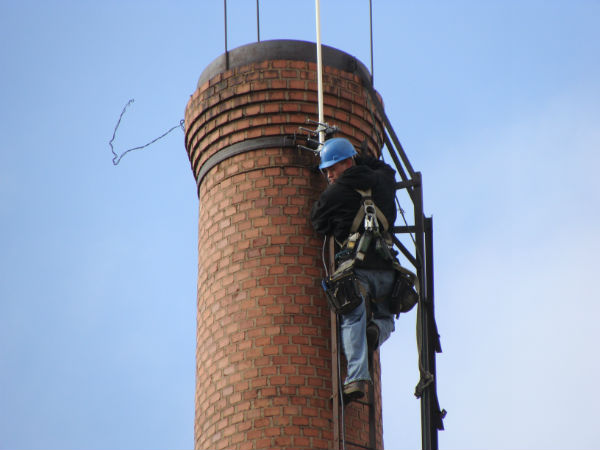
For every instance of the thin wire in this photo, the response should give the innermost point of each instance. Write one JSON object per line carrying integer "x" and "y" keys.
{"x": 116, "y": 127}
{"x": 401, "y": 211}
{"x": 370, "y": 106}
{"x": 117, "y": 158}
{"x": 405, "y": 222}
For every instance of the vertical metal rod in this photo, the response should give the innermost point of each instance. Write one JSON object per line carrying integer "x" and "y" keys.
{"x": 335, "y": 372}
{"x": 371, "y": 27}
{"x": 372, "y": 427}
{"x": 225, "y": 16}
{"x": 423, "y": 319}
{"x": 319, "y": 70}
{"x": 432, "y": 407}
{"x": 257, "y": 22}
{"x": 335, "y": 382}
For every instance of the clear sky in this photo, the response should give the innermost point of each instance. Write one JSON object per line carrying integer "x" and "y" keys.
{"x": 496, "y": 102}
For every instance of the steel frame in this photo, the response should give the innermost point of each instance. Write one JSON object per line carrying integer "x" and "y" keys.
{"x": 422, "y": 260}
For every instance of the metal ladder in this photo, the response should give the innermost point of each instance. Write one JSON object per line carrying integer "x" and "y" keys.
{"x": 428, "y": 338}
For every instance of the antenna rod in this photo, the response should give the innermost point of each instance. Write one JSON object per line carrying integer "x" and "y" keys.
{"x": 257, "y": 22}
{"x": 225, "y": 16}
{"x": 319, "y": 71}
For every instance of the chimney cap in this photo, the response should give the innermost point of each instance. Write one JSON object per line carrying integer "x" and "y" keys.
{"x": 287, "y": 50}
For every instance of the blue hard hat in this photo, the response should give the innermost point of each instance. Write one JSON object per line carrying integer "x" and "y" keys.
{"x": 335, "y": 150}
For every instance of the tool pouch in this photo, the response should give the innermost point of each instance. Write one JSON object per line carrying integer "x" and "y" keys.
{"x": 403, "y": 296}
{"x": 342, "y": 290}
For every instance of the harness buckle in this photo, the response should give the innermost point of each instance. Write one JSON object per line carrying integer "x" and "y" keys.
{"x": 370, "y": 222}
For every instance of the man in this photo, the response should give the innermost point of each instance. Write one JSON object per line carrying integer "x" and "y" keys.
{"x": 334, "y": 214}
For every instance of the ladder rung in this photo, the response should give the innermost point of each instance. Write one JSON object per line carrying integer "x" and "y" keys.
{"x": 358, "y": 445}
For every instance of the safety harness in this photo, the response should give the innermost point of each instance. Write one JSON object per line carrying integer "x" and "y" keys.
{"x": 343, "y": 290}
{"x": 371, "y": 216}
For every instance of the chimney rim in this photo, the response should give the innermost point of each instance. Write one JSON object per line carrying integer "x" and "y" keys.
{"x": 284, "y": 49}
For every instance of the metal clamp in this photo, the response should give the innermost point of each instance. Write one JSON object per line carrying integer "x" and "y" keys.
{"x": 312, "y": 136}
{"x": 371, "y": 223}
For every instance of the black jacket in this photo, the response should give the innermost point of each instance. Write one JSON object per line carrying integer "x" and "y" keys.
{"x": 337, "y": 206}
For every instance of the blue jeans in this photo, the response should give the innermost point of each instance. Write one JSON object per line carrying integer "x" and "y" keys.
{"x": 378, "y": 284}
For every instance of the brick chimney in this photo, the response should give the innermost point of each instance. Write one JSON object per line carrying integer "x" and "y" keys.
{"x": 264, "y": 362}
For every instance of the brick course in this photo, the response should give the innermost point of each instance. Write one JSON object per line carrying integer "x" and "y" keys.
{"x": 263, "y": 341}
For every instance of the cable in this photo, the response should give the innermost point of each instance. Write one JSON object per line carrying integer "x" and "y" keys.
{"x": 117, "y": 158}
{"x": 401, "y": 211}
{"x": 116, "y": 127}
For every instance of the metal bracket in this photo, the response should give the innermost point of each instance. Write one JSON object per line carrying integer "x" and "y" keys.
{"x": 312, "y": 136}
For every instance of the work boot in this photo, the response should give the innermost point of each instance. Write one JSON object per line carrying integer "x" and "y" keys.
{"x": 372, "y": 337}
{"x": 355, "y": 390}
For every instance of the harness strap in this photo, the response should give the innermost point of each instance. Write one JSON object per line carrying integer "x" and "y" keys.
{"x": 367, "y": 202}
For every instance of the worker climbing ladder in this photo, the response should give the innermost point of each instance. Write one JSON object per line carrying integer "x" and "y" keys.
{"x": 428, "y": 342}
{"x": 421, "y": 231}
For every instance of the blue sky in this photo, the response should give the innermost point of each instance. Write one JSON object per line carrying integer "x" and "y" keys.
{"x": 496, "y": 103}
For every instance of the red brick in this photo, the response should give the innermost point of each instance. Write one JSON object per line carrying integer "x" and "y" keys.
{"x": 263, "y": 323}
